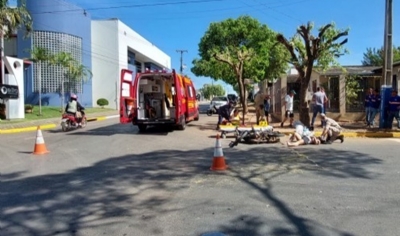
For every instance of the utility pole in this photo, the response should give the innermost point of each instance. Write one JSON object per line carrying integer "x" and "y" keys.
{"x": 388, "y": 44}
{"x": 181, "y": 52}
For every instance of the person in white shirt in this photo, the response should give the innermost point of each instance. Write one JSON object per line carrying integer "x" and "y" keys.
{"x": 289, "y": 107}
{"x": 302, "y": 136}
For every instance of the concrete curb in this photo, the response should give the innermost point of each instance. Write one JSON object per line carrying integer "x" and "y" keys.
{"x": 360, "y": 134}
{"x": 50, "y": 125}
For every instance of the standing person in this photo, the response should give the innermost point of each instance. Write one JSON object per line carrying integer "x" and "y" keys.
{"x": 375, "y": 107}
{"x": 367, "y": 105}
{"x": 394, "y": 109}
{"x": 289, "y": 107}
{"x": 331, "y": 129}
{"x": 259, "y": 105}
{"x": 266, "y": 107}
{"x": 326, "y": 101}
{"x": 319, "y": 99}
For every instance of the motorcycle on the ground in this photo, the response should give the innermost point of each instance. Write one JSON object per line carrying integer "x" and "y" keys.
{"x": 69, "y": 121}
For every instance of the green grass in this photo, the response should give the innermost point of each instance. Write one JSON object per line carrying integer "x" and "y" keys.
{"x": 51, "y": 112}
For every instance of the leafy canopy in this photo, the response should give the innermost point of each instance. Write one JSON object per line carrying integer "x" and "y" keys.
{"x": 375, "y": 57}
{"x": 321, "y": 51}
{"x": 209, "y": 91}
{"x": 228, "y": 43}
{"x": 14, "y": 18}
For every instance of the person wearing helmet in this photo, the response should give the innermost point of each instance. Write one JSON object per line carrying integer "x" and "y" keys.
{"x": 225, "y": 112}
{"x": 73, "y": 106}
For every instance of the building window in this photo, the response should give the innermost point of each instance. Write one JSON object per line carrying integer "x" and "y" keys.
{"x": 52, "y": 76}
{"x": 131, "y": 58}
{"x": 138, "y": 67}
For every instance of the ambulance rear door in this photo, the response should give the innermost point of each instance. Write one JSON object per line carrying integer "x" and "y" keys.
{"x": 127, "y": 97}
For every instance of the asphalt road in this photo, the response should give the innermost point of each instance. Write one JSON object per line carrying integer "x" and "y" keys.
{"x": 108, "y": 179}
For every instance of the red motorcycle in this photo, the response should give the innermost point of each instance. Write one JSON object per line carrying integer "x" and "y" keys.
{"x": 69, "y": 121}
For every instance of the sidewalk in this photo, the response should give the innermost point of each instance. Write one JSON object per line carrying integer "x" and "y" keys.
{"x": 355, "y": 129}
{"x": 7, "y": 127}
{"x": 351, "y": 129}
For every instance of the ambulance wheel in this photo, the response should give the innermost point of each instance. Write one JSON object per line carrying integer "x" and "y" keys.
{"x": 142, "y": 128}
{"x": 182, "y": 124}
{"x": 197, "y": 117}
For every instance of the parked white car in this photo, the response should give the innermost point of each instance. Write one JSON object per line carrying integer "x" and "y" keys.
{"x": 218, "y": 101}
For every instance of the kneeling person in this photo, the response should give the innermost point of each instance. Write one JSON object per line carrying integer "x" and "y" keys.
{"x": 225, "y": 112}
{"x": 332, "y": 130}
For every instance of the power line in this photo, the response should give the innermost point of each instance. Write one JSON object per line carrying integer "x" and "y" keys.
{"x": 129, "y": 6}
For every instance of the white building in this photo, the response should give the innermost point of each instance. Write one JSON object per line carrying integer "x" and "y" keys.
{"x": 115, "y": 46}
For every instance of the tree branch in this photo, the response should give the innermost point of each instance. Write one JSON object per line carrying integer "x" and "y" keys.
{"x": 295, "y": 60}
{"x": 305, "y": 34}
{"x": 323, "y": 30}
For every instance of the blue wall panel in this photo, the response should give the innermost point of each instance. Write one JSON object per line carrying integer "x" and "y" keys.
{"x": 63, "y": 17}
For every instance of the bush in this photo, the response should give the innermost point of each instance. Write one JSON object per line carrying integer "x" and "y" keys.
{"x": 28, "y": 106}
{"x": 102, "y": 102}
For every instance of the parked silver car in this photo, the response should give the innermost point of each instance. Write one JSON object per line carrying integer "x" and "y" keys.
{"x": 218, "y": 101}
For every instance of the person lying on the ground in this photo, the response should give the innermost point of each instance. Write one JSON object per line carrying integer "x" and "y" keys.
{"x": 301, "y": 129}
{"x": 331, "y": 132}
{"x": 297, "y": 140}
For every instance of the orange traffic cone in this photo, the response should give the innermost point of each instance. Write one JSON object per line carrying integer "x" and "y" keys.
{"x": 218, "y": 159}
{"x": 40, "y": 147}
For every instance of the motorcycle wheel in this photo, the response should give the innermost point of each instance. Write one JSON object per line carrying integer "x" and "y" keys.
{"x": 84, "y": 122}
{"x": 209, "y": 112}
{"x": 64, "y": 127}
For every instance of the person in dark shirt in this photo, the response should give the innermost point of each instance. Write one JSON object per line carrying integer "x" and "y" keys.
{"x": 225, "y": 112}
{"x": 375, "y": 107}
{"x": 266, "y": 107}
{"x": 367, "y": 106}
{"x": 394, "y": 109}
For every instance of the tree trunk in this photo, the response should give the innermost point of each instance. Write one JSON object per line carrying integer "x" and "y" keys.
{"x": 62, "y": 95}
{"x": 243, "y": 99}
{"x": 40, "y": 86}
{"x": 303, "y": 109}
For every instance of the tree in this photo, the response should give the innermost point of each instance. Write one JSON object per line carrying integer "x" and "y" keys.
{"x": 307, "y": 51}
{"x": 64, "y": 60}
{"x": 79, "y": 73}
{"x": 237, "y": 49}
{"x": 40, "y": 56}
{"x": 375, "y": 57}
{"x": 73, "y": 71}
{"x": 212, "y": 90}
{"x": 353, "y": 88}
{"x": 10, "y": 20}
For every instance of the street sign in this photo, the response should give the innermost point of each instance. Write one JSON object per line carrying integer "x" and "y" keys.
{"x": 9, "y": 91}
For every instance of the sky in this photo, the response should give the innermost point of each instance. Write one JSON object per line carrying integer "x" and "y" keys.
{"x": 180, "y": 24}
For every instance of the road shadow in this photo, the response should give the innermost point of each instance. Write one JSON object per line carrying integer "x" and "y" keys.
{"x": 115, "y": 129}
{"x": 141, "y": 187}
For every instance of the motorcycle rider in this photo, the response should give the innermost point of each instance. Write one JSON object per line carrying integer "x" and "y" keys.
{"x": 73, "y": 106}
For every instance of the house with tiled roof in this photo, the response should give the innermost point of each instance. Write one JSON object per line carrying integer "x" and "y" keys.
{"x": 334, "y": 82}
